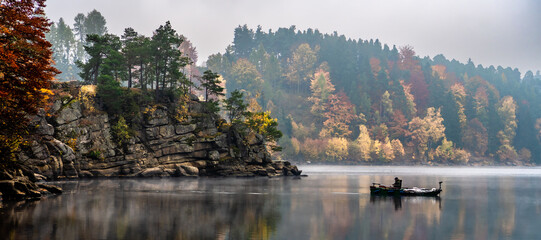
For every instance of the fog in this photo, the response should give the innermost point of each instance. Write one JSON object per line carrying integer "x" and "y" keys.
{"x": 490, "y": 32}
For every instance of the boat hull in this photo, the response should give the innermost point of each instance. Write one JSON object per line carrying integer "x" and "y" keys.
{"x": 386, "y": 191}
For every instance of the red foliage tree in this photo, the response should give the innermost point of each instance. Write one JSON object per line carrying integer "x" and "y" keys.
{"x": 398, "y": 127}
{"x": 476, "y": 137}
{"x": 407, "y": 61}
{"x": 25, "y": 68}
{"x": 375, "y": 66}
{"x": 419, "y": 89}
{"x": 417, "y": 79}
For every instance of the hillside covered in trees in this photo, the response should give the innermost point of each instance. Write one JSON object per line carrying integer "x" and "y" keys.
{"x": 341, "y": 100}
{"x": 133, "y": 74}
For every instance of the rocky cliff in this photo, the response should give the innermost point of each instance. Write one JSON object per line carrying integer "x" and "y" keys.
{"x": 75, "y": 138}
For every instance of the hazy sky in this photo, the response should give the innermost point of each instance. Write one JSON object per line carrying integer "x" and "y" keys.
{"x": 490, "y": 32}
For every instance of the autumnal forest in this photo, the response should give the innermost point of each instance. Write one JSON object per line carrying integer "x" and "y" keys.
{"x": 340, "y": 100}
{"x": 337, "y": 100}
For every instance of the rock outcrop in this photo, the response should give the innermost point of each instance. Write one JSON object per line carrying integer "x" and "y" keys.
{"x": 75, "y": 138}
{"x": 19, "y": 182}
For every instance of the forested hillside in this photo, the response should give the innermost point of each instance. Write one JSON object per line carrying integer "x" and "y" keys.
{"x": 360, "y": 101}
{"x": 133, "y": 75}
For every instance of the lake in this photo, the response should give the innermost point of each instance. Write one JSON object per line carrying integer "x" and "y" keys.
{"x": 333, "y": 202}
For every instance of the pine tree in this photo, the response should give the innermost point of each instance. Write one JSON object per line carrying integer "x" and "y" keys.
{"x": 101, "y": 49}
{"x": 129, "y": 51}
{"x": 64, "y": 50}
{"x": 235, "y": 106}
{"x": 167, "y": 58}
{"x": 210, "y": 82}
{"x": 94, "y": 23}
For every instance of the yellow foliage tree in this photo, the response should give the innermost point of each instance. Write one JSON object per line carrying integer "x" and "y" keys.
{"x": 387, "y": 153}
{"x": 375, "y": 149}
{"x": 507, "y": 113}
{"x": 296, "y": 146}
{"x": 427, "y": 131}
{"x": 398, "y": 148}
{"x": 337, "y": 149}
{"x": 364, "y": 142}
{"x": 245, "y": 76}
{"x": 264, "y": 124}
{"x": 321, "y": 88}
{"x": 446, "y": 152}
{"x": 301, "y": 64}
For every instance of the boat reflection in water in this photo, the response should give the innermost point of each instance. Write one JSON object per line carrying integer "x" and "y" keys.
{"x": 410, "y": 200}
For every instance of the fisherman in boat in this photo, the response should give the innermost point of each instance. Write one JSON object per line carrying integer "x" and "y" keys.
{"x": 397, "y": 183}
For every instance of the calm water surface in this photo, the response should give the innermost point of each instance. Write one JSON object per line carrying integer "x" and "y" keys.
{"x": 332, "y": 203}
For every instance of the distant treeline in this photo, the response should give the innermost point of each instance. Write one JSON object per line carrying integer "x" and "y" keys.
{"x": 164, "y": 62}
{"x": 87, "y": 50}
{"x": 345, "y": 100}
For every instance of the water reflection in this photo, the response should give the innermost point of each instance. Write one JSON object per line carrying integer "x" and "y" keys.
{"x": 326, "y": 206}
{"x": 397, "y": 200}
{"x": 149, "y": 209}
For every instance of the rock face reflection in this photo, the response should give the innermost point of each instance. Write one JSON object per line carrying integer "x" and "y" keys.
{"x": 328, "y": 206}
{"x": 146, "y": 209}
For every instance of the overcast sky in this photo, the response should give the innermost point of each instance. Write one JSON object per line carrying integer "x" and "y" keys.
{"x": 490, "y": 32}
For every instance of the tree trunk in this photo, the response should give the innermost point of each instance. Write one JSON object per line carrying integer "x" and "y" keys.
{"x": 129, "y": 77}
{"x": 164, "y": 73}
{"x": 157, "y": 77}
{"x": 142, "y": 81}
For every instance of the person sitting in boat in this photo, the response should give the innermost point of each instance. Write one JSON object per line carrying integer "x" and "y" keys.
{"x": 397, "y": 183}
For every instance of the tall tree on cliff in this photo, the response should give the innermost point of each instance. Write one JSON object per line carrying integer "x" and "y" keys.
{"x": 167, "y": 58}
{"x": 101, "y": 49}
{"x": 210, "y": 81}
{"x": 26, "y": 69}
{"x": 129, "y": 50}
{"x": 235, "y": 106}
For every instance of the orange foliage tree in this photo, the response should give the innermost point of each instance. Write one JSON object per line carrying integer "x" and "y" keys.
{"x": 25, "y": 69}
{"x": 375, "y": 66}
{"x": 340, "y": 113}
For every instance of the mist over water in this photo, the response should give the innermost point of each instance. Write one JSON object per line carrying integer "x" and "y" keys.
{"x": 333, "y": 202}
{"x": 405, "y": 170}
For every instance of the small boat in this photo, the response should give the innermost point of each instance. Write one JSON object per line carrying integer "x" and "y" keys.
{"x": 397, "y": 190}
